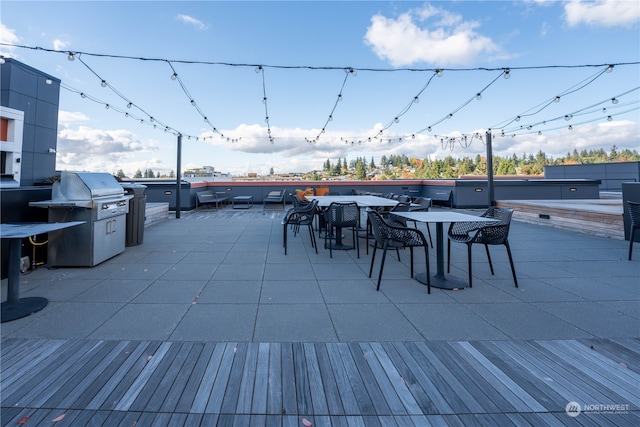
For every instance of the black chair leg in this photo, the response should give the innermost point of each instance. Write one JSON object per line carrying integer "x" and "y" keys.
{"x": 284, "y": 238}
{"x": 411, "y": 255}
{"x": 633, "y": 232}
{"x": 513, "y": 269}
{"x": 448, "y": 256}
{"x": 384, "y": 255}
{"x": 469, "y": 258}
{"x": 313, "y": 238}
{"x": 426, "y": 258}
{"x": 486, "y": 247}
{"x": 373, "y": 258}
{"x": 429, "y": 233}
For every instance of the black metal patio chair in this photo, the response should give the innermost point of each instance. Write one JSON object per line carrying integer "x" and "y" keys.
{"x": 300, "y": 216}
{"x": 634, "y": 213}
{"x": 339, "y": 216}
{"x": 388, "y": 235}
{"x": 492, "y": 233}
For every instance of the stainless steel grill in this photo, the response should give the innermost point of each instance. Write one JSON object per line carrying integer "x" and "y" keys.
{"x": 96, "y": 198}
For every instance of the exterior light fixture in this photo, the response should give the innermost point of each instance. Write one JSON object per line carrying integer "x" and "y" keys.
{"x": 556, "y": 99}
{"x": 416, "y": 99}
{"x": 174, "y": 76}
{"x": 507, "y": 73}
{"x": 258, "y": 68}
{"x": 614, "y": 101}
{"x": 103, "y": 83}
{"x": 48, "y": 81}
{"x": 71, "y": 57}
{"x": 478, "y": 96}
{"x": 129, "y": 105}
{"x": 609, "y": 69}
{"x": 609, "y": 118}
{"x": 439, "y": 72}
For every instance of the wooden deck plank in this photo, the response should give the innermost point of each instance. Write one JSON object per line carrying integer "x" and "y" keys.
{"x": 616, "y": 351}
{"x": 261, "y": 383}
{"x": 142, "y": 378}
{"x": 386, "y": 384}
{"x": 232, "y": 389}
{"x": 410, "y": 380}
{"x": 378, "y": 401}
{"x": 347, "y": 396}
{"x": 169, "y": 380}
{"x": 557, "y": 373}
{"x": 28, "y": 363}
{"x": 599, "y": 386}
{"x": 80, "y": 379}
{"x": 518, "y": 396}
{"x": 245, "y": 394}
{"x": 358, "y": 386}
{"x": 440, "y": 404}
{"x": 150, "y": 386}
{"x": 316, "y": 382}
{"x": 329, "y": 385}
{"x": 500, "y": 357}
{"x": 289, "y": 398}
{"x": 274, "y": 385}
{"x": 467, "y": 380}
{"x": 611, "y": 375}
{"x": 193, "y": 379}
{"x": 111, "y": 376}
{"x": 303, "y": 391}
{"x": 48, "y": 371}
{"x": 218, "y": 393}
{"x": 452, "y": 390}
{"x": 109, "y": 383}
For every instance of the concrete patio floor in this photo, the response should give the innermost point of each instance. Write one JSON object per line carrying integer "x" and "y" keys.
{"x": 221, "y": 275}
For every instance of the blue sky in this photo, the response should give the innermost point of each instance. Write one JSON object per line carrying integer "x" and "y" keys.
{"x": 306, "y": 50}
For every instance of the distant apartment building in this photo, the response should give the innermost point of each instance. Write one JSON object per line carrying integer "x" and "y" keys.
{"x": 205, "y": 173}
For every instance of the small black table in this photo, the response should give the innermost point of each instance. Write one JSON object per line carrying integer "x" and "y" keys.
{"x": 15, "y": 307}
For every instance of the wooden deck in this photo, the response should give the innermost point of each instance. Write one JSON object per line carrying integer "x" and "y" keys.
{"x": 493, "y": 383}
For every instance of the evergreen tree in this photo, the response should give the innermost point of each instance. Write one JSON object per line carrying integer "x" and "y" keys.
{"x": 138, "y": 174}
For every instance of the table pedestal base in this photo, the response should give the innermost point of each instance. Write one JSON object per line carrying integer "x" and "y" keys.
{"x": 22, "y": 308}
{"x": 441, "y": 282}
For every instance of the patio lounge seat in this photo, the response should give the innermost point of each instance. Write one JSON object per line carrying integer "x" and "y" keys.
{"x": 275, "y": 197}
{"x": 209, "y": 197}
{"x": 300, "y": 216}
{"x": 493, "y": 233}
{"x": 634, "y": 213}
{"x": 388, "y": 235}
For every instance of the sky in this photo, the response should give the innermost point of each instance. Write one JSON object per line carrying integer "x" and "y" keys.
{"x": 286, "y": 85}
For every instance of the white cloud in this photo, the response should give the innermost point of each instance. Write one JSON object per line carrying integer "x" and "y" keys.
{"x": 59, "y": 44}
{"x": 8, "y": 36}
{"x": 429, "y": 35}
{"x": 603, "y": 13}
{"x": 85, "y": 148}
{"x": 66, "y": 117}
{"x": 189, "y": 20}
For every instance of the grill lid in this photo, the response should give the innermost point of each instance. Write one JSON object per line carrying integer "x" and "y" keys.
{"x": 86, "y": 186}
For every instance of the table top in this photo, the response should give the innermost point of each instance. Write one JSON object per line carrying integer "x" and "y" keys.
{"x": 362, "y": 201}
{"x": 442, "y": 216}
{"x": 243, "y": 197}
{"x": 21, "y": 230}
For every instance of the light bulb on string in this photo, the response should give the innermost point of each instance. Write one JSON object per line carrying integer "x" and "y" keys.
{"x": 193, "y": 102}
{"x": 478, "y": 96}
{"x": 429, "y": 129}
{"x": 609, "y": 69}
{"x": 416, "y": 99}
{"x": 609, "y": 118}
{"x": 517, "y": 118}
{"x": 71, "y": 57}
{"x": 82, "y": 95}
{"x": 151, "y": 119}
{"x": 258, "y": 68}
{"x": 397, "y": 120}
{"x": 340, "y": 97}
{"x": 570, "y": 127}
{"x": 614, "y": 101}
{"x": 507, "y": 73}
{"x": 103, "y": 83}
{"x": 604, "y": 110}
{"x": 330, "y": 118}
{"x": 264, "y": 100}
{"x": 129, "y": 105}
{"x": 556, "y": 99}
{"x": 568, "y": 117}
{"x": 439, "y": 72}
{"x": 174, "y": 76}
{"x": 106, "y": 106}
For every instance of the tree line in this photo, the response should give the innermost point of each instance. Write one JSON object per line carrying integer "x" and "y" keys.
{"x": 401, "y": 166}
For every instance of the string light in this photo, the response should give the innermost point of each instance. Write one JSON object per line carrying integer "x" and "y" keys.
{"x": 352, "y": 71}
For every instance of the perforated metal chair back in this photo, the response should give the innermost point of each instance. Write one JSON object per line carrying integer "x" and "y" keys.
{"x": 343, "y": 214}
